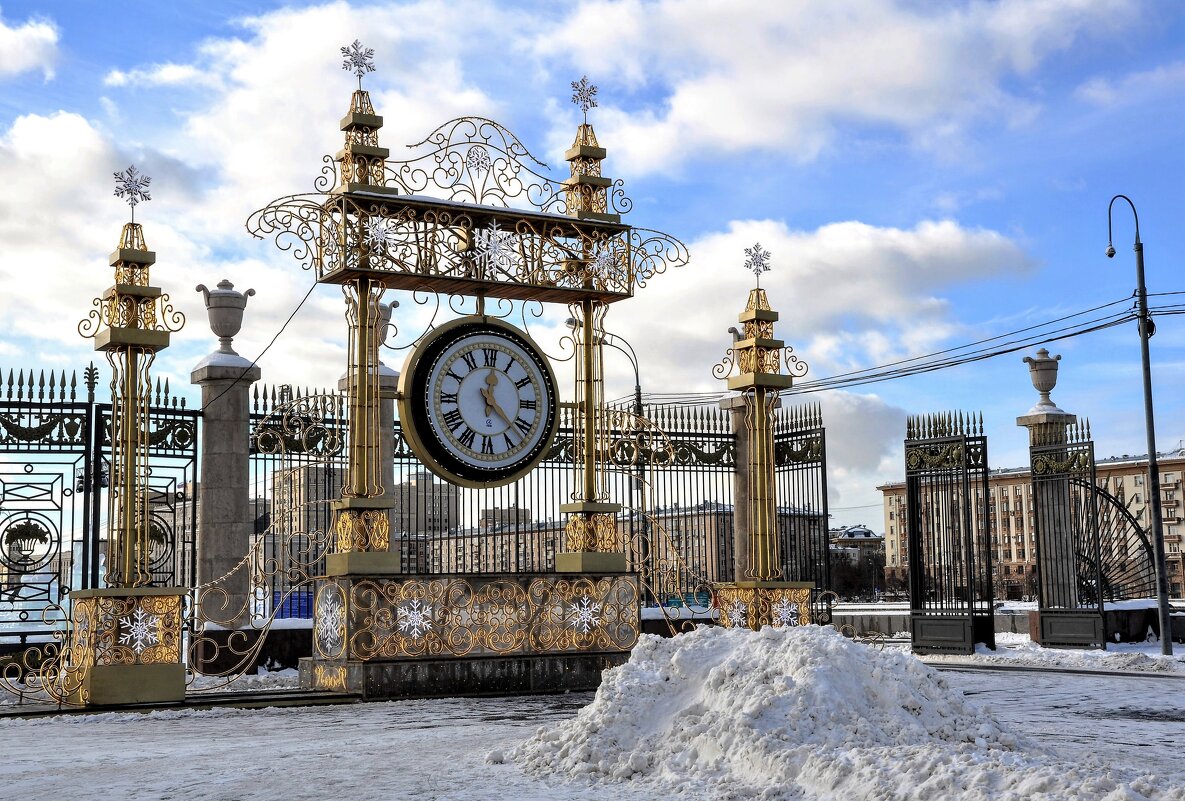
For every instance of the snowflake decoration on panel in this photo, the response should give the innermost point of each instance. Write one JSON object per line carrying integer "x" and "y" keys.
{"x": 757, "y": 261}
{"x": 415, "y": 619}
{"x": 497, "y": 249}
{"x": 786, "y": 613}
{"x": 584, "y": 94}
{"x": 139, "y": 630}
{"x": 738, "y": 614}
{"x": 477, "y": 159}
{"x": 586, "y": 615}
{"x": 358, "y": 60}
{"x": 605, "y": 263}
{"x": 378, "y": 236}
{"x": 331, "y": 618}
{"x": 132, "y": 186}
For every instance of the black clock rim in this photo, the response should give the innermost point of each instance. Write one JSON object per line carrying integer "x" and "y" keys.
{"x": 416, "y": 395}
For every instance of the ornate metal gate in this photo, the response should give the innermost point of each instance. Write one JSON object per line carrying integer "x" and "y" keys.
{"x": 948, "y": 532}
{"x": 1066, "y": 511}
{"x": 53, "y": 474}
{"x": 800, "y": 475}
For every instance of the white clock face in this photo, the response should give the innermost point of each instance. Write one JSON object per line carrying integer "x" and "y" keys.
{"x": 480, "y": 402}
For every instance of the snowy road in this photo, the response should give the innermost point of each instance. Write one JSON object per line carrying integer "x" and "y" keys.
{"x": 1115, "y": 720}
{"x": 435, "y": 750}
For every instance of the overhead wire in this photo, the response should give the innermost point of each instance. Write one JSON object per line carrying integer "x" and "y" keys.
{"x": 951, "y": 357}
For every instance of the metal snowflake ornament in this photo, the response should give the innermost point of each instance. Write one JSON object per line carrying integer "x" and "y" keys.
{"x": 757, "y": 261}
{"x": 586, "y": 615}
{"x": 786, "y": 612}
{"x": 738, "y": 614}
{"x": 415, "y": 619}
{"x": 378, "y": 236}
{"x": 358, "y": 60}
{"x": 497, "y": 249}
{"x": 132, "y": 186}
{"x": 584, "y": 94}
{"x": 477, "y": 159}
{"x": 139, "y": 630}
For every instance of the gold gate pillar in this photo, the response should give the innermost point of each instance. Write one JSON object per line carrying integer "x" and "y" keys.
{"x": 592, "y": 543}
{"x": 125, "y": 640}
{"x": 758, "y": 597}
{"x": 362, "y": 516}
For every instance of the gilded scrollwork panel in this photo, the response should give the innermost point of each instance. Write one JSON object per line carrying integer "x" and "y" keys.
{"x": 408, "y": 618}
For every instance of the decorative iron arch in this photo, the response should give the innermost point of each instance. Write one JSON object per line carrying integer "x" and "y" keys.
{"x": 1127, "y": 566}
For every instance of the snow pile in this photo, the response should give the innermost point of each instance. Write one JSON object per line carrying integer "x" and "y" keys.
{"x": 1018, "y": 650}
{"x": 801, "y": 713}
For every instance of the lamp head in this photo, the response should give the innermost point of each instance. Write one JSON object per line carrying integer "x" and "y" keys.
{"x": 571, "y": 323}
{"x": 1110, "y": 250}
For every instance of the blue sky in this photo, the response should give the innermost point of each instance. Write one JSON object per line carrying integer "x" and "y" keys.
{"x": 925, "y": 175}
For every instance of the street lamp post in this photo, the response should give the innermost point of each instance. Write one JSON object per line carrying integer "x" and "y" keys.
{"x": 1147, "y": 329}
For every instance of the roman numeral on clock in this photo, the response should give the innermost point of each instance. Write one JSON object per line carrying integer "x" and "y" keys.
{"x": 466, "y": 438}
{"x": 527, "y": 403}
{"x": 490, "y": 356}
{"x": 453, "y": 419}
{"x": 522, "y": 382}
{"x": 522, "y": 424}
{"x": 487, "y": 446}
{"x": 469, "y": 359}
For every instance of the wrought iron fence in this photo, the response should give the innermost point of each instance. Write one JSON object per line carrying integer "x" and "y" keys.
{"x": 677, "y": 501}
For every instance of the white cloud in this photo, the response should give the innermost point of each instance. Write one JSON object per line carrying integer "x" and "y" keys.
{"x": 161, "y": 75}
{"x": 1136, "y": 87}
{"x": 30, "y": 46}
{"x": 788, "y": 76}
{"x": 850, "y": 294}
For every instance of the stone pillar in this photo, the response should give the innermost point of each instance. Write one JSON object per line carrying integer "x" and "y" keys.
{"x": 1054, "y": 536}
{"x": 225, "y": 518}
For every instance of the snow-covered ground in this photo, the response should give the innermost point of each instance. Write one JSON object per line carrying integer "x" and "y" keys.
{"x": 1019, "y": 650}
{"x": 782, "y": 714}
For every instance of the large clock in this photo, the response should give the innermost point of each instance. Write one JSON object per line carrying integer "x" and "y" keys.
{"x": 478, "y": 402}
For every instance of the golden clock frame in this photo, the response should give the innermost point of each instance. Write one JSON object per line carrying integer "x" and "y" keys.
{"x": 413, "y": 435}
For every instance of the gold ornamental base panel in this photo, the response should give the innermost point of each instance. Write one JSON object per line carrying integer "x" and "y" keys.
{"x": 125, "y": 646}
{"x": 403, "y": 636}
{"x": 753, "y": 604}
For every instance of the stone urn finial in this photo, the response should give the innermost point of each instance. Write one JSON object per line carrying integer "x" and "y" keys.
{"x": 1043, "y": 374}
{"x": 225, "y": 309}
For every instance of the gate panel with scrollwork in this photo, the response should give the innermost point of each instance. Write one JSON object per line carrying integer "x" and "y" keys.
{"x": 948, "y": 533}
{"x": 53, "y": 479}
{"x": 800, "y": 476}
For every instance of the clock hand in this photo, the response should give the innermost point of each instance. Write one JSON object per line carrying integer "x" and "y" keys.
{"x": 488, "y": 394}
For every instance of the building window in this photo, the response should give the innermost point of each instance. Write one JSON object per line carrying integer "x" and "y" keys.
{"x": 1020, "y": 570}
{"x": 1139, "y": 481}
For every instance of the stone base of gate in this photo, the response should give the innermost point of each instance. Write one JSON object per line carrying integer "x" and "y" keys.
{"x": 125, "y": 646}
{"x": 1067, "y": 629}
{"x": 403, "y": 636}
{"x": 951, "y": 634}
{"x": 753, "y": 604}
{"x": 440, "y": 678}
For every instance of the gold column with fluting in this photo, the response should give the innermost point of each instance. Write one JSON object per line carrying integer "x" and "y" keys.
{"x": 362, "y": 520}
{"x": 759, "y": 596}
{"x": 591, "y": 540}
{"x": 125, "y": 644}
